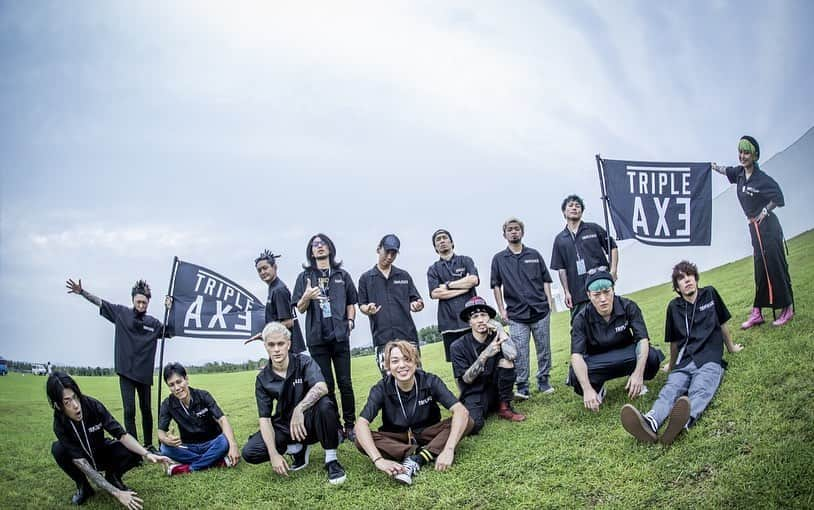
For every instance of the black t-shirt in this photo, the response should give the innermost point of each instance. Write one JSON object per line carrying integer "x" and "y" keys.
{"x": 589, "y": 244}
{"x": 341, "y": 292}
{"x": 443, "y": 271}
{"x": 135, "y": 345}
{"x": 95, "y": 421}
{"x": 590, "y": 334}
{"x": 394, "y": 294}
{"x": 197, "y": 423}
{"x": 522, "y": 277}
{"x": 464, "y": 352}
{"x": 701, "y": 323}
{"x": 416, "y": 409}
{"x": 279, "y": 308}
{"x": 302, "y": 374}
{"x": 756, "y": 192}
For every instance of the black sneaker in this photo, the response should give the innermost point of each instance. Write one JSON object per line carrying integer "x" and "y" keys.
{"x": 300, "y": 460}
{"x": 336, "y": 473}
{"x": 83, "y": 493}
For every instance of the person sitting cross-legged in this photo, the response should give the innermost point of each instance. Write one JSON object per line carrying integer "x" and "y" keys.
{"x": 206, "y": 437}
{"x": 412, "y": 432}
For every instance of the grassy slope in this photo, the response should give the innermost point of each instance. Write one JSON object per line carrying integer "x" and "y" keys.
{"x": 752, "y": 448}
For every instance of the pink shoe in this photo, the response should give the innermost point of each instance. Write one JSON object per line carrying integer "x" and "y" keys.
{"x": 755, "y": 319}
{"x": 785, "y": 316}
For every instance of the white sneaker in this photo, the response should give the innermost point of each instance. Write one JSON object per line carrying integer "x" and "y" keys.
{"x": 411, "y": 468}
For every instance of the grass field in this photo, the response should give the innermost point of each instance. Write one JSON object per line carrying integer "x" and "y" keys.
{"x": 753, "y": 448}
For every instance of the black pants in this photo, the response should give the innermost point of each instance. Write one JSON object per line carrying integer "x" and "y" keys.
{"x": 616, "y": 363}
{"x": 498, "y": 389}
{"x": 448, "y": 338}
{"x": 321, "y": 424}
{"x": 772, "y": 280}
{"x": 129, "y": 388}
{"x": 335, "y": 356}
{"x": 113, "y": 457}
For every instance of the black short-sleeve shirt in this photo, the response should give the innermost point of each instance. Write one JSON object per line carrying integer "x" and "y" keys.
{"x": 341, "y": 293}
{"x": 589, "y": 244}
{"x": 523, "y": 277}
{"x": 280, "y": 308}
{"x": 135, "y": 342}
{"x": 756, "y": 192}
{"x": 197, "y": 423}
{"x": 464, "y": 351}
{"x": 444, "y": 271}
{"x": 591, "y": 334}
{"x": 302, "y": 374}
{"x": 697, "y": 327}
{"x": 95, "y": 421}
{"x": 415, "y": 410}
{"x": 394, "y": 294}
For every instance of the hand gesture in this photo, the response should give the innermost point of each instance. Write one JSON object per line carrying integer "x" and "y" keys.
{"x": 591, "y": 400}
{"x": 74, "y": 287}
{"x": 297, "y": 426}
{"x": 129, "y": 500}
{"x": 634, "y": 385}
{"x": 417, "y": 305}
{"x": 445, "y": 459}
{"x": 279, "y": 464}
{"x": 167, "y": 302}
{"x": 494, "y": 347}
{"x": 736, "y": 348}
{"x": 371, "y": 309}
{"x": 310, "y": 292}
{"x": 173, "y": 440}
{"x": 390, "y": 467}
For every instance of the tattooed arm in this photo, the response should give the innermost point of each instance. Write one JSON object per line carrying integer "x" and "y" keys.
{"x": 128, "y": 499}
{"x": 297, "y": 427}
{"x": 76, "y": 288}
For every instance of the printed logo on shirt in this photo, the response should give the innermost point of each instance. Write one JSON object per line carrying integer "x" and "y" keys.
{"x": 400, "y": 282}
{"x": 425, "y": 401}
{"x": 148, "y": 328}
{"x": 706, "y": 306}
{"x": 531, "y": 261}
{"x": 201, "y": 412}
{"x": 95, "y": 428}
{"x": 621, "y": 328}
{"x": 749, "y": 190}
{"x": 298, "y": 380}
{"x": 588, "y": 236}
{"x": 339, "y": 280}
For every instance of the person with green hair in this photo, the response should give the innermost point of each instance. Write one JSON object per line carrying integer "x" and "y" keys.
{"x": 759, "y": 195}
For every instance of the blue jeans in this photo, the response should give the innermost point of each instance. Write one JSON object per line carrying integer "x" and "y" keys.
{"x": 699, "y": 384}
{"x": 198, "y": 455}
{"x": 519, "y": 333}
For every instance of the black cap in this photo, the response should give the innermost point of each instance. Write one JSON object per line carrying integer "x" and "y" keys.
{"x": 476, "y": 304}
{"x": 390, "y": 242}
{"x": 598, "y": 275}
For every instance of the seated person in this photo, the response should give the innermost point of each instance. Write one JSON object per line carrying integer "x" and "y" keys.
{"x": 303, "y": 416}
{"x": 697, "y": 332}
{"x": 81, "y": 449}
{"x": 206, "y": 437}
{"x": 412, "y": 432}
{"x": 482, "y": 362}
{"x": 608, "y": 340}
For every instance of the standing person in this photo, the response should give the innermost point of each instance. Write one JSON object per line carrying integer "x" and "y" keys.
{"x": 520, "y": 277}
{"x": 387, "y": 295}
{"x": 759, "y": 195}
{"x": 205, "y": 435}
{"x": 697, "y": 333}
{"x": 135, "y": 343}
{"x": 303, "y": 414}
{"x": 580, "y": 247}
{"x": 412, "y": 432}
{"x": 452, "y": 280}
{"x": 81, "y": 450}
{"x": 279, "y": 307}
{"x": 483, "y": 365}
{"x": 326, "y": 294}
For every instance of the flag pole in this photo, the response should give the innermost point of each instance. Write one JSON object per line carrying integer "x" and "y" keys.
{"x": 600, "y": 170}
{"x": 164, "y": 330}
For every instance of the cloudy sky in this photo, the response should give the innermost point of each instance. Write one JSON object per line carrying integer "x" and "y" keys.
{"x": 133, "y": 132}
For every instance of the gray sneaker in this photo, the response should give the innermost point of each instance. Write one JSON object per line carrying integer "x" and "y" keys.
{"x": 411, "y": 468}
{"x": 545, "y": 388}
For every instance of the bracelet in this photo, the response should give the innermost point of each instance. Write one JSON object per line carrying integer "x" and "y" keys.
{"x": 377, "y": 459}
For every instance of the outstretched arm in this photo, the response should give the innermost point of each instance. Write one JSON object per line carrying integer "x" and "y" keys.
{"x": 730, "y": 345}
{"x": 128, "y": 499}
{"x": 76, "y": 288}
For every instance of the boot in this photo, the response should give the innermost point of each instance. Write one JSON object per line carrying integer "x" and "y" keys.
{"x": 785, "y": 316}
{"x": 755, "y": 319}
{"x": 506, "y": 412}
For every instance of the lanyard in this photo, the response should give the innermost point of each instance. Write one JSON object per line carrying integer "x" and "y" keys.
{"x": 186, "y": 410}
{"x": 88, "y": 449}
{"x": 404, "y": 411}
{"x": 688, "y": 323}
{"x": 573, "y": 236}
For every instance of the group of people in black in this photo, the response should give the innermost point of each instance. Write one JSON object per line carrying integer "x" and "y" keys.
{"x": 295, "y": 391}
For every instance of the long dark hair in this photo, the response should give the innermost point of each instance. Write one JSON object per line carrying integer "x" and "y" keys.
{"x": 57, "y": 382}
{"x": 312, "y": 261}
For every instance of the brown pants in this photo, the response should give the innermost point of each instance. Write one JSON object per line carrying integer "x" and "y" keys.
{"x": 396, "y": 445}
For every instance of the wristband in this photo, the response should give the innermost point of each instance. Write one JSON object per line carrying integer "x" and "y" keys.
{"x": 377, "y": 459}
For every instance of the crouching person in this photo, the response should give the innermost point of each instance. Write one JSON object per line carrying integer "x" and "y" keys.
{"x": 82, "y": 450}
{"x": 412, "y": 432}
{"x": 206, "y": 437}
{"x": 482, "y": 362}
{"x": 697, "y": 332}
{"x": 304, "y": 415}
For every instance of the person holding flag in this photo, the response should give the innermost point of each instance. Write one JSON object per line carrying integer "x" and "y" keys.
{"x": 759, "y": 195}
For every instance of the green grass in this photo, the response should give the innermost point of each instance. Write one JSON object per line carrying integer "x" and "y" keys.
{"x": 751, "y": 449}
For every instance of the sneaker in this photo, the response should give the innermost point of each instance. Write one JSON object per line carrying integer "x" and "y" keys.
{"x": 755, "y": 319}
{"x": 636, "y": 425}
{"x": 177, "y": 469}
{"x": 411, "y": 468}
{"x": 300, "y": 460}
{"x": 336, "y": 473}
{"x": 522, "y": 394}
{"x": 82, "y": 494}
{"x": 545, "y": 388}
{"x": 350, "y": 434}
{"x": 679, "y": 416}
{"x": 506, "y": 412}
{"x": 785, "y": 316}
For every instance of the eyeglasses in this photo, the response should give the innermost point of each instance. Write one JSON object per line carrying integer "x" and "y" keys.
{"x": 318, "y": 243}
{"x": 597, "y": 269}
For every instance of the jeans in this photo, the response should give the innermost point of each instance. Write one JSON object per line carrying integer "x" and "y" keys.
{"x": 198, "y": 455}
{"x": 700, "y": 384}
{"x": 519, "y": 333}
